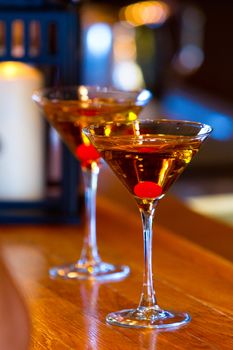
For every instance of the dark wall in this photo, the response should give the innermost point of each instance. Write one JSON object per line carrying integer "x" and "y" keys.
{"x": 216, "y": 73}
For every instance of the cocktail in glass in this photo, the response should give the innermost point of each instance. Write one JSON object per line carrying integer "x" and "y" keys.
{"x": 68, "y": 110}
{"x": 148, "y": 156}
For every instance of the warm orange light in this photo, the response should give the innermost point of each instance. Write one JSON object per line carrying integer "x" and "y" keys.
{"x": 146, "y": 12}
{"x": 124, "y": 47}
{"x": 14, "y": 70}
{"x": 9, "y": 69}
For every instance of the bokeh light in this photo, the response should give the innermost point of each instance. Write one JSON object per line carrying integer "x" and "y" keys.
{"x": 145, "y": 13}
{"x": 127, "y": 75}
{"x": 99, "y": 39}
{"x": 176, "y": 104}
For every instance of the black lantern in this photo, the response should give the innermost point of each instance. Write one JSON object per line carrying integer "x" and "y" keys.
{"x": 44, "y": 34}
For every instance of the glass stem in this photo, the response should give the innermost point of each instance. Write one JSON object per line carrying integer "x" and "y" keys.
{"x": 148, "y": 298}
{"x": 89, "y": 254}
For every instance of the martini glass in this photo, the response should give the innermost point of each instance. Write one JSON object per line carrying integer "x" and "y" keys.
{"x": 148, "y": 156}
{"x": 68, "y": 110}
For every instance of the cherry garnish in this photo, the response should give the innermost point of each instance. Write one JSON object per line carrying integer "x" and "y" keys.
{"x": 147, "y": 189}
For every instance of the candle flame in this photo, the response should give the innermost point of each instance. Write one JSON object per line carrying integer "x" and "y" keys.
{"x": 13, "y": 69}
{"x": 10, "y": 69}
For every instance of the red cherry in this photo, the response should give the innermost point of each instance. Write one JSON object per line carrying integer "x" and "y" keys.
{"x": 87, "y": 153}
{"x": 146, "y": 149}
{"x": 147, "y": 189}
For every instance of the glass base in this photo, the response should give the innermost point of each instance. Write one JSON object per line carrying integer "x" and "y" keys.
{"x": 99, "y": 272}
{"x": 148, "y": 318}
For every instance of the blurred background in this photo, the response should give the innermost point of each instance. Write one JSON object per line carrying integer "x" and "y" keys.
{"x": 181, "y": 50}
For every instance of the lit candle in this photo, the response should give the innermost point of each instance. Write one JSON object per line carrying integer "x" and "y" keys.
{"x": 21, "y": 134}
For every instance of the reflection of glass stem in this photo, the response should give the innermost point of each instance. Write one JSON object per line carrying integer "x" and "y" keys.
{"x": 149, "y": 340}
{"x": 89, "y": 294}
{"x": 89, "y": 254}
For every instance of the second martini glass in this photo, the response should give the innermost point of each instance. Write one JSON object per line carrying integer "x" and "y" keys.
{"x": 148, "y": 156}
{"x": 68, "y": 110}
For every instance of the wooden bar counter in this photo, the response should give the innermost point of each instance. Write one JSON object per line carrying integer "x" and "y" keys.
{"x": 37, "y": 312}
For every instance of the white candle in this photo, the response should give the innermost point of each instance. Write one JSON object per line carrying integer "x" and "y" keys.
{"x": 21, "y": 134}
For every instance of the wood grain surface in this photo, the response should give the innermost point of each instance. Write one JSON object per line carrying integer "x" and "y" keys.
{"x": 70, "y": 315}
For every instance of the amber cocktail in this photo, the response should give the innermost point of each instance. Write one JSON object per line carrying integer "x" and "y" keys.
{"x": 68, "y": 110}
{"x": 148, "y": 157}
